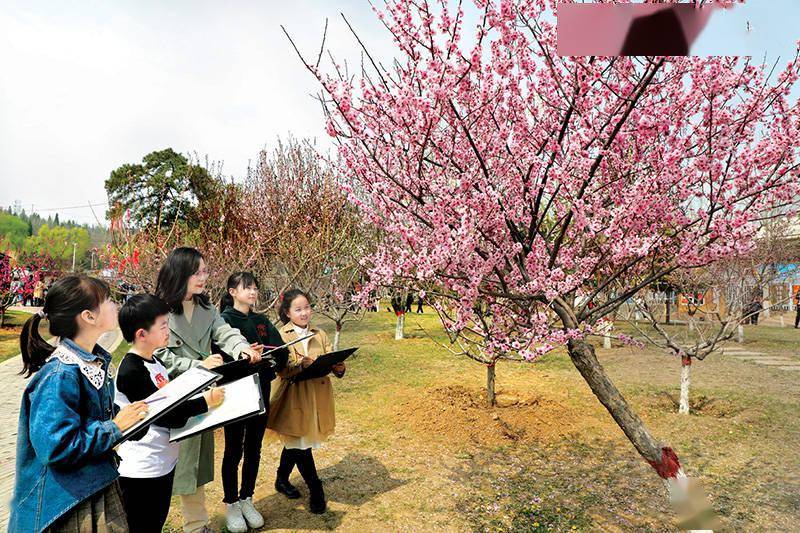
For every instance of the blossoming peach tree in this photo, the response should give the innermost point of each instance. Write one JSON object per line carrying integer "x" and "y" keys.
{"x": 555, "y": 187}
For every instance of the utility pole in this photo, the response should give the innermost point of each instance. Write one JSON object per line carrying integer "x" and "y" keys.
{"x": 74, "y": 246}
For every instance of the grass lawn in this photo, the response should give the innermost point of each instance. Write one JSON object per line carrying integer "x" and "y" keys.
{"x": 119, "y": 353}
{"x": 416, "y": 449}
{"x": 9, "y": 333}
{"x": 9, "y": 336}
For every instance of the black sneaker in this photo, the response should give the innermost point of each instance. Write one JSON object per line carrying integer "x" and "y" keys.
{"x": 287, "y": 489}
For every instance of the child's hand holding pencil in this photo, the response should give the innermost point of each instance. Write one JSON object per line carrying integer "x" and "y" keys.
{"x": 214, "y": 397}
{"x": 130, "y": 415}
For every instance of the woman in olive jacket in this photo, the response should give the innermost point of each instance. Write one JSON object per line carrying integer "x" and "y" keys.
{"x": 193, "y": 324}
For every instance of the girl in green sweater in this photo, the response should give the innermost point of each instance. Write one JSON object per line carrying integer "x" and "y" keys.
{"x": 243, "y": 439}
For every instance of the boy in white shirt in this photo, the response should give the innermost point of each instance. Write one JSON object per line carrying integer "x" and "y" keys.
{"x": 148, "y": 459}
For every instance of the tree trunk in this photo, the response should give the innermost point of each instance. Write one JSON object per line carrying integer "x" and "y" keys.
{"x": 666, "y": 305}
{"x": 660, "y": 456}
{"x": 740, "y": 334}
{"x": 398, "y": 330}
{"x": 607, "y": 336}
{"x": 336, "y": 336}
{"x": 686, "y": 369}
{"x": 490, "y": 396}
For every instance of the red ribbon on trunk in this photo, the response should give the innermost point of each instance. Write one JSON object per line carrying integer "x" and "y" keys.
{"x": 668, "y": 466}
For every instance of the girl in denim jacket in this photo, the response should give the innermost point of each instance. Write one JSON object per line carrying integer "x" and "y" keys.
{"x": 66, "y": 471}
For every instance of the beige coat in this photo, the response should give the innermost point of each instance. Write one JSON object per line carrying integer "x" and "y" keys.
{"x": 289, "y": 407}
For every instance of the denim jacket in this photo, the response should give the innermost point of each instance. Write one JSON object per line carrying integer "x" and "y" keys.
{"x": 65, "y": 438}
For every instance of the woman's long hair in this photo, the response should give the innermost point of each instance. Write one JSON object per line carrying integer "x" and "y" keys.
{"x": 180, "y": 265}
{"x": 245, "y": 279}
{"x": 286, "y": 303}
{"x": 66, "y": 299}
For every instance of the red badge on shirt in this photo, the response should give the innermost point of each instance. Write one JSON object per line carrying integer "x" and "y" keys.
{"x": 161, "y": 380}
{"x": 262, "y": 330}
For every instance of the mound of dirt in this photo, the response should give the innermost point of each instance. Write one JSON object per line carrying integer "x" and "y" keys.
{"x": 458, "y": 414}
{"x": 700, "y": 406}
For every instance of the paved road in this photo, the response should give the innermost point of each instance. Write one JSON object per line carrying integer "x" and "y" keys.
{"x": 11, "y": 387}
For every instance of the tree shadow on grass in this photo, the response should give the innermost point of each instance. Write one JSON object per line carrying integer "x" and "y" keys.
{"x": 354, "y": 481}
{"x": 587, "y": 486}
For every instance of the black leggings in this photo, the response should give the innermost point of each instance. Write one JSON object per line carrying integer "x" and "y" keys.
{"x": 304, "y": 460}
{"x": 242, "y": 438}
{"x": 146, "y": 501}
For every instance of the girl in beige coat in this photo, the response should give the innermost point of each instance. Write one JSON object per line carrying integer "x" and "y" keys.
{"x": 302, "y": 413}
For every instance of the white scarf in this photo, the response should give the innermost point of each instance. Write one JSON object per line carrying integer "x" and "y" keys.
{"x": 302, "y": 332}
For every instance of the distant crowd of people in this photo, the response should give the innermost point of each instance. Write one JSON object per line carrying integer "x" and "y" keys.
{"x": 29, "y": 287}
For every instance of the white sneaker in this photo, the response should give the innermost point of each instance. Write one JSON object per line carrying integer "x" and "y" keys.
{"x": 234, "y": 520}
{"x": 251, "y": 515}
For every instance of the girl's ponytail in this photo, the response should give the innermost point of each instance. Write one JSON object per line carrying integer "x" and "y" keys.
{"x": 226, "y": 301}
{"x": 35, "y": 350}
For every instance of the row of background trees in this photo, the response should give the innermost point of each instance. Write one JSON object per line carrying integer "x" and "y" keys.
{"x": 289, "y": 221}
{"x": 35, "y": 250}
{"x": 25, "y": 235}
{"x": 293, "y": 200}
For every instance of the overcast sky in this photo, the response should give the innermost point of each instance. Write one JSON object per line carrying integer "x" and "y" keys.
{"x": 88, "y": 85}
